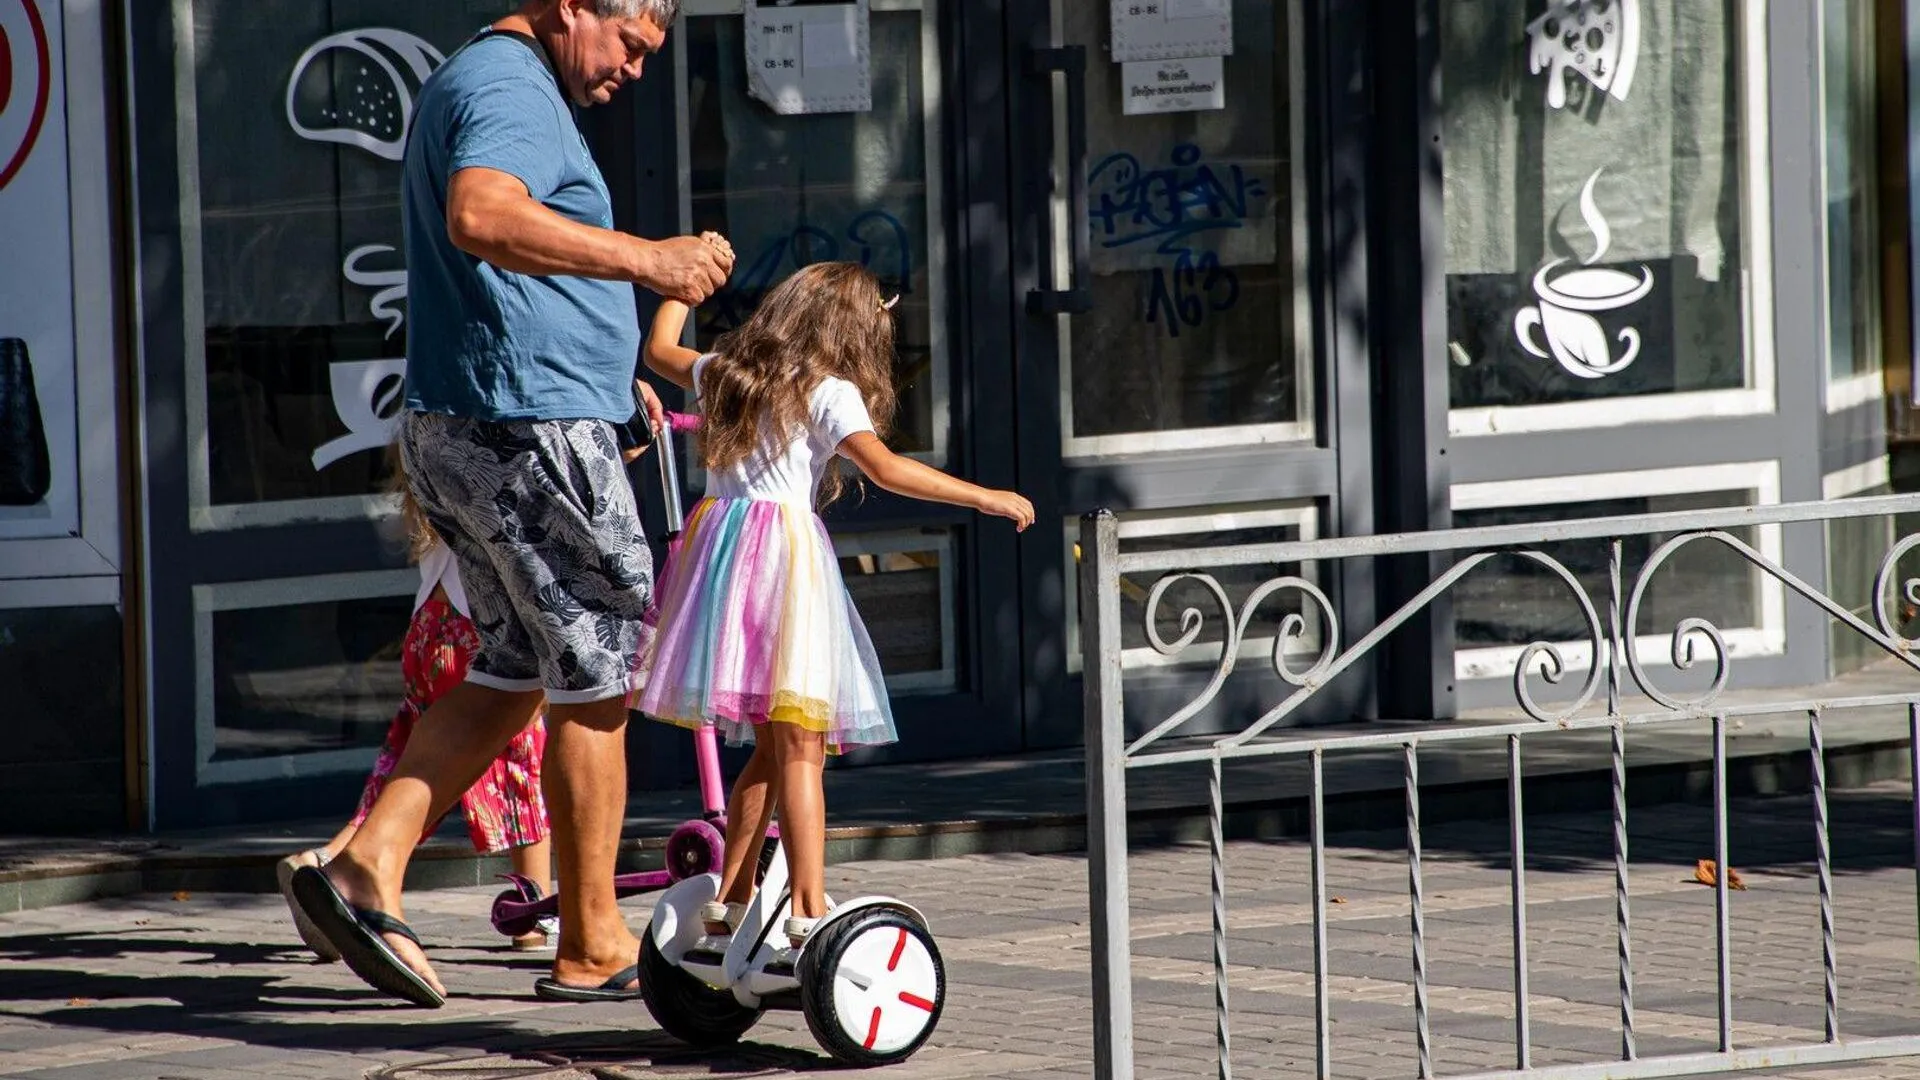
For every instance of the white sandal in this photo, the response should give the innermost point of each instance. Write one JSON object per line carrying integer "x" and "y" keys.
{"x": 798, "y": 930}
{"x": 714, "y": 913}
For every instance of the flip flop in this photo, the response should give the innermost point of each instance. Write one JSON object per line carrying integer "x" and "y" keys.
{"x": 309, "y": 935}
{"x": 614, "y": 989}
{"x": 355, "y": 933}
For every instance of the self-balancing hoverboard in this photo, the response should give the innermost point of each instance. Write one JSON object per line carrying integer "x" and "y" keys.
{"x": 869, "y": 980}
{"x": 697, "y": 846}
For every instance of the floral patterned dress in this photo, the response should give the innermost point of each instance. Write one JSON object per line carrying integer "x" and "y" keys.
{"x": 504, "y": 808}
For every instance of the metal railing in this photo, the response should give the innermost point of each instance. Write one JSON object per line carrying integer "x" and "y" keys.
{"x": 1614, "y": 659}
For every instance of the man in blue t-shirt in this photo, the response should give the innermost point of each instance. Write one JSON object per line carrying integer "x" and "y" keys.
{"x": 521, "y": 347}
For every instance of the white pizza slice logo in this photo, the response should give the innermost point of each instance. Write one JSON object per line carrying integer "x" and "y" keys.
{"x": 1599, "y": 39}
{"x": 26, "y": 83}
{"x": 1569, "y": 301}
{"x": 357, "y": 87}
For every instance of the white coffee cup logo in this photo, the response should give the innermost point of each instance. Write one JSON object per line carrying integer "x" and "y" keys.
{"x": 1567, "y": 302}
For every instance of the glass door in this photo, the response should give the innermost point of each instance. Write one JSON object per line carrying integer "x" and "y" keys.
{"x": 873, "y": 181}
{"x": 1167, "y": 366}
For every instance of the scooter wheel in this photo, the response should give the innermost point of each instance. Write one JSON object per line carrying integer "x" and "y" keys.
{"x": 685, "y": 1007}
{"x": 512, "y": 925}
{"x": 872, "y": 986}
{"x": 695, "y": 848}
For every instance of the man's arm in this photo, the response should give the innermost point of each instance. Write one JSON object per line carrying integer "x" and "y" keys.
{"x": 491, "y": 216}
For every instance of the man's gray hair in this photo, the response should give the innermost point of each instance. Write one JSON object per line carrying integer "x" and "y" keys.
{"x": 662, "y": 12}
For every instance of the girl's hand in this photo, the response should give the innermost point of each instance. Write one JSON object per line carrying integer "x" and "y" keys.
{"x": 1010, "y": 505}
{"x": 719, "y": 244}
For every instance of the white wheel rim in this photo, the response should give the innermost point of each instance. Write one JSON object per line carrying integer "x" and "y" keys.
{"x": 885, "y": 989}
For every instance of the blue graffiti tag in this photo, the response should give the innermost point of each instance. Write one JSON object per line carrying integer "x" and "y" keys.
{"x": 875, "y": 239}
{"x": 1170, "y": 208}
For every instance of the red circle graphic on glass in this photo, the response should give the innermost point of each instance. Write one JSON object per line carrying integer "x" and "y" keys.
{"x": 24, "y": 58}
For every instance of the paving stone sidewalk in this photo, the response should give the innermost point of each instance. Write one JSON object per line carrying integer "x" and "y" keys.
{"x": 214, "y": 986}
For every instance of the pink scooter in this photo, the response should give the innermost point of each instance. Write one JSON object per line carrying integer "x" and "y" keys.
{"x": 696, "y": 847}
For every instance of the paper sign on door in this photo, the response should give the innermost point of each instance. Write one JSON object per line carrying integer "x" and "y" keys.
{"x": 809, "y": 56}
{"x": 1171, "y": 29}
{"x": 1169, "y": 86}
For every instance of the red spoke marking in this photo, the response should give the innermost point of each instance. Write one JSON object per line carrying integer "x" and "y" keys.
{"x": 915, "y": 1000}
{"x": 873, "y": 1029}
{"x": 898, "y": 948}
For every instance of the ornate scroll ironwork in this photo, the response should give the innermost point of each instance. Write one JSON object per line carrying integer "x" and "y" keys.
{"x": 1694, "y": 640}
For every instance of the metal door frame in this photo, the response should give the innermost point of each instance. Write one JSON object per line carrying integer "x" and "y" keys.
{"x": 1334, "y": 472}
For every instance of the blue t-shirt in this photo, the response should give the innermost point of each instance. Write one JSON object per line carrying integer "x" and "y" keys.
{"x": 483, "y": 342}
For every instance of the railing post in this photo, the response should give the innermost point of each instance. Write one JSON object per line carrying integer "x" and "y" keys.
{"x": 1106, "y": 796}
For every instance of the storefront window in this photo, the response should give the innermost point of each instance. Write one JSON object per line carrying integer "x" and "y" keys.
{"x": 1855, "y": 547}
{"x": 902, "y": 585}
{"x": 304, "y": 668}
{"x": 1596, "y": 236}
{"x": 1852, "y": 176}
{"x": 1501, "y": 609}
{"x": 293, "y": 147}
{"x": 1199, "y": 329}
{"x": 790, "y": 190}
{"x": 1225, "y": 527}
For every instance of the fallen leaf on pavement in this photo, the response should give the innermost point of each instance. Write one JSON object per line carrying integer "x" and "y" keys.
{"x": 1706, "y": 871}
{"x": 1339, "y": 899}
{"x": 183, "y": 895}
{"x": 79, "y": 1001}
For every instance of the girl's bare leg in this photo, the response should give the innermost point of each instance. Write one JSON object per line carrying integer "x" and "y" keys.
{"x": 535, "y": 862}
{"x": 801, "y": 755}
{"x": 749, "y": 809}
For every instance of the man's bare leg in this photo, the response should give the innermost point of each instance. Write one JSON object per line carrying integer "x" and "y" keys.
{"x": 454, "y": 742}
{"x": 585, "y": 778}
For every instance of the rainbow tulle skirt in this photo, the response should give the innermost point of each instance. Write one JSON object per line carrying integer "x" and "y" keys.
{"x": 752, "y": 625}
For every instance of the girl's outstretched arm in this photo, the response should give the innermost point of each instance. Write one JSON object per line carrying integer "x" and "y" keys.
{"x": 665, "y": 356}
{"x": 905, "y": 476}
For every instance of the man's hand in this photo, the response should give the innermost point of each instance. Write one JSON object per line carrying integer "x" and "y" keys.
{"x": 685, "y": 268}
{"x": 650, "y": 403}
{"x": 656, "y": 418}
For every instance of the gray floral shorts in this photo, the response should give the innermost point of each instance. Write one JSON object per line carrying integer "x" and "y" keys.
{"x": 541, "y": 519}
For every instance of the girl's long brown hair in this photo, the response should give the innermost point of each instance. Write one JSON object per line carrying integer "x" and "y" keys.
{"x": 826, "y": 320}
{"x": 420, "y": 534}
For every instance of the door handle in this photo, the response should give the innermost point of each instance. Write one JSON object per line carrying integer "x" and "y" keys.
{"x": 1076, "y": 298}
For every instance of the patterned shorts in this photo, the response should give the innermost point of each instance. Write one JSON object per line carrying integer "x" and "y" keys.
{"x": 542, "y": 520}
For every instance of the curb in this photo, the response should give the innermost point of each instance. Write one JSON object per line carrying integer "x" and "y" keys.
{"x": 452, "y": 865}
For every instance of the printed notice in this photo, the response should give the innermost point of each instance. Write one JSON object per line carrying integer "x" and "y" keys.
{"x": 1168, "y": 86}
{"x": 1171, "y": 29}
{"x": 830, "y": 43}
{"x": 809, "y": 56}
{"x": 1198, "y": 9}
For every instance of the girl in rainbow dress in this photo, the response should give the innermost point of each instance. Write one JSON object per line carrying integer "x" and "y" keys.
{"x": 754, "y": 631}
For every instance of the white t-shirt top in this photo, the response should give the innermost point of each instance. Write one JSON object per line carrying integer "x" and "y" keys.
{"x": 439, "y": 567}
{"x": 789, "y": 470}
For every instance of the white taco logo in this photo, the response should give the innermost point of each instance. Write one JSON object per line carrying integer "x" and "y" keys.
{"x": 356, "y": 88}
